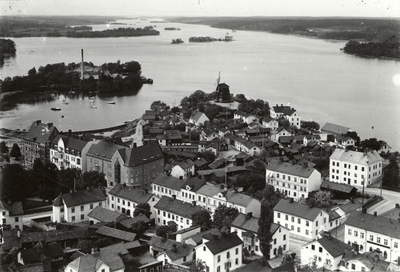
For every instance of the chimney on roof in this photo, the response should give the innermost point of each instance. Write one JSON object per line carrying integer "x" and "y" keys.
{"x": 173, "y": 197}
{"x": 38, "y": 122}
{"x": 291, "y": 200}
{"x": 249, "y": 215}
{"x": 376, "y": 258}
{"x": 375, "y": 213}
{"x": 193, "y": 203}
{"x": 397, "y": 205}
{"x": 180, "y": 177}
{"x": 94, "y": 250}
{"x": 69, "y": 132}
{"x": 364, "y": 210}
{"x": 134, "y": 145}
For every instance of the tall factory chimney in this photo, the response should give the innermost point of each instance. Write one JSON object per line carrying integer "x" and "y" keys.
{"x": 82, "y": 65}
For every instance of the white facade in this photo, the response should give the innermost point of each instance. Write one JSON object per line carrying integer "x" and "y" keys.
{"x": 163, "y": 217}
{"x": 294, "y": 119}
{"x": 64, "y": 157}
{"x": 7, "y": 218}
{"x": 127, "y": 206}
{"x": 272, "y": 124}
{"x": 177, "y": 171}
{"x": 75, "y": 214}
{"x": 353, "y": 167}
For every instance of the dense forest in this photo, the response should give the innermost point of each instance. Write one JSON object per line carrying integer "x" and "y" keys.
{"x": 7, "y": 48}
{"x": 386, "y": 49}
{"x": 120, "y": 32}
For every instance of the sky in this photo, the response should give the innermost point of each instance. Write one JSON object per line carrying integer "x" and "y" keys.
{"x": 164, "y": 8}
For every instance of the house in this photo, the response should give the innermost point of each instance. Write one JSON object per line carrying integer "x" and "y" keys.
{"x": 288, "y": 113}
{"x": 11, "y": 214}
{"x": 101, "y": 214}
{"x": 178, "y": 254}
{"x": 117, "y": 234}
{"x": 189, "y": 189}
{"x": 300, "y": 219}
{"x": 271, "y": 123}
{"x": 333, "y": 129}
{"x": 369, "y": 232}
{"x": 124, "y": 198}
{"x": 156, "y": 266}
{"x": 368, "y": 261}
{"x": 385, "y": 148}
{"x": 221, "y": 253}
{"x": 37, "y": 141}
{"x": 198, "y": 118}
{"x": 172, "y": 209}
{"x": 165, "y": 185}
{"x": 326, "y": 252}
{"x": 345, "y": 141}
{"x": 246, "y": 227}
{"x": 137, "y": 166}
{"x": 281, "y": 132}
{"x": 75, "y": 206}
{"x": 97, "y": 262}
{"x": 209, "y": 135}
{"x": 339, "y": 190}
{"x": 355, "y": 168}
{"x": 170, "y": 137}
{"x": 247, "y": 146}
{"x": 98, "y": 158}
{"x": 216, "y": 146}
{"x": 149, "y": 115}
{"x": 66, "y": 152}
{"x": 184, "y": 169}
{"x": 200, "y": 164}
{"x": 245, "y": 117}
{"x": 161, "y": 244}
{"x": 294, "y": 180}
{"x": 47, "y": 254}
{"x": 197, "y": 239}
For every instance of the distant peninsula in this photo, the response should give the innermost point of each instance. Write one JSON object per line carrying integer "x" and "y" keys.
{"x": 386, "y": 49}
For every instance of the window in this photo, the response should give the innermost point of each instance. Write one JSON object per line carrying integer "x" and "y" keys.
{"x": 371, "y": 238}
{"x": 292, "y": 219}
{"x": 237, "y": 251}
{"x": 378, "y": 240}
{"x": 228, "y": 255}
{"x": 356, "y": 233}
{"x": 298, "y": 221}
{"x": 91, "y": 206}
{"x": 292, "y": 228}
{"x": 218, "y": 258}
{"x": 16, "y": 219}
{"x": 307, "y": 223}
{"x": 385, "y": 242}
{"x": 362, "y": 235}
{"x": 218, "y": 269}
{"x": 316, "y": 223}
{"x": 298, "y": 229}
{"x": 275, "y": 241}
{"x": 82, "y": 208}
{"x": 286, "y": 217}
{"x": 82, "y": 216}
{"x": 78, "y": 161}
{"x": 320, "y": 249}
{"x": 279, "y": 215}
{"x": 236, "y": 261}
{"x": 313, "y": 247}
{"x": 73, "y": 218}
{"x": 353, "y": 266}
{"x": 72, "y": 210}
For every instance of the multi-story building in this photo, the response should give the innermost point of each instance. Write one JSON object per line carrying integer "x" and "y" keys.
{"x": 221, "y": 254}
{"x": 189, "y": 189}
{"x": 183, "y": 169}
{"x": 37, "y": 142}
{"x": 75, "y": 206}
{"x": 137, "y": 166}
{"x": 171, "y": 209}
{"x": 11, "y": 214}
{"x": 300, "y": 219}
{"x": 246, "y": 227}
{"x": 124, "y": 198}
{"x": 369, "y": 232}
{"x": 354, "y": 168}
{"x": 210, "y": 196}
{"x": 368, "y": 261}
{"x": 271, "y": 123}
{"x": 288, "y": 113}
{"x": 66, "y": 152}
{"x": 165, "y": 185}
{"x": 293, "y": 180}
{"x": 98, "y": 158}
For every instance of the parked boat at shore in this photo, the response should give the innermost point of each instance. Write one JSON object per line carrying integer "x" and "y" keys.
{"x": 111, "y": 102}
{"x": 56, "y": 109}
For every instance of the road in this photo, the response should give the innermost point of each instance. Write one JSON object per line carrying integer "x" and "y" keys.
{"x": 392, "y": 197}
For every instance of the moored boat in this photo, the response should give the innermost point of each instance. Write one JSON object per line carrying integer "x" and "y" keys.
{"x": 56, "y": 109}
{"x": 111, "y": 102}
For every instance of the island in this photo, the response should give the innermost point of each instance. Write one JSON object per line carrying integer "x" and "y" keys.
{"x": 210, "y": 39}
{"x": 387, "y": 49}
{"x": 171, "y": 28}
{"x": 7, "y": 49}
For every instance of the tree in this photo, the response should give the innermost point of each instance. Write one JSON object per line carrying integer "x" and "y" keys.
{"x": 310, "y": 125}
{"x": 354, "y": 136}
{"x": 32, "y": 72}
{"x": 203, "y": 219}
{"x": 162, "y": 231}
{"x": 272, "y": 195}
{"x": 391, "y": 174}
{"x": 130, "y": 262}
{"x": 319, "y": 199}
{"x": 288, "y": 258}
{"x": 142, "y": 208}
{"x": 15, "y": 151}
{"x": 66, "y": 180}
{"x": 3, "y": 147}
{"x": 208, "y": 156}
{"x": 14, "y": 183}
{"x": 93, "y": 179}
{"x": 370, "y": 144}
{"x": 264, "y": 228}
{"x": 172, "y": 226}
{"x": 85, "y": 245}
{"x": 139, "y": 227}
{"x": 198, "y": 266}
{"x": 282, "y": 122}
{"x": 224, "y": 216}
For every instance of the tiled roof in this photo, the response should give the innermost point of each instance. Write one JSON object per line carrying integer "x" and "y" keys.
{"x": 14, "y": 209}
{"x": 209, "y": 189}
{"x": 70, "y": 143}
{"x": 103, "y": 149}
{"x": 335, "y": 129}
{"x": 350, "y": 207}
{"x": 177, "y": 207}
{"x": 372, "y": 260}
{"x": 179, "y": 252}
{"x": 340, "y": 187}
{"x": 333, "y": 215}
{"x": 116, "y": 233}
{"x": 130, "y": 193}
{"x": 143, "y": 154}
{"x": 244, "y": 222}
{"x": 90, "y": 263}
{"x": 168, "y": 181}
{"x": 133, "y": 244}
{"x": 297, "y": 209}
{"x": 239, "y": 198}
{"x": 356, "y": 157}
{"x": 128, "y": 222}
{"x": 334, "y": 246}
{"x": 163, "y": 244}
{"x": 378, "y": 224}
{"x": 185, "y": 164}
{"x": 83, "y": 197}
{"x": 200, "y": 162}
{"x": 105, "y": 215}
{"x": 291, "y": 169}
{"x": 40, "y": 133}
{"x": 194, "y": 183}
{"x": 286, "y": 110}
{"x": 255, "y": 266}
{"x": 223, "y": 243}
{"x": 118, "y": 248}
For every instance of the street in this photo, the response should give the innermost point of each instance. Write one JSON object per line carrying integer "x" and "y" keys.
{"x": 392, "y": 197}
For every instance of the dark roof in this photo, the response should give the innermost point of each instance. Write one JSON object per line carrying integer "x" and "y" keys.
{"x": 185, "y": 164}
{"x": 197, "y": 238}
{"x": 162, "y": 244}
{"x": 105, "y": 215}
{"x": 40, "y": 133}
{"x": 340, "y": 187}
{"x": 289, "y": 267}
{"x": 223, "y": 243}
{"x": 116, "y": 233}
{"x": 194, "y": 183}
{"x": 372, "y": 260}
{"x": 118, "y": 248}
{"x": 177, "y": 207}
{"x": 14, "y": 209}
{"x": 70, "y": 143}
{"x": 244, "y": 222}
{"x": 333, "y": 215}
{"x": 143, "y": 154}
{"x": 127, "y": 223}
{"x": 130, "y": 193}
{"x": 349, "y": 207}
{"x": 168, "y": 181}
{"x": 82, "y": 197}
{"x": 200, "y": 162}
{"x": 378, "y": 224}
{"x": 291, "y": 169}
{"x": 297, "y": 209}
{"x": 256, "y": 266}
{"x": 90, "y": 262}
{"x": 286, "y": 110}
{"x": 103, "y": 149}
{"x": 179, "y": 252}
{"x": 335, "y": 129}
{"x": 334, "y": 246}
{"x": 31, "y": 255}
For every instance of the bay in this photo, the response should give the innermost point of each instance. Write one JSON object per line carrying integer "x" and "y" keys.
{"x": 314, "y": 76}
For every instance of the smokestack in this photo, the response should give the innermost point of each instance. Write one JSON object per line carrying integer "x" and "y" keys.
{"x": 82, "y": 65}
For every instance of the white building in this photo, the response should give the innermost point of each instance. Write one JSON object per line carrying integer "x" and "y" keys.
{"x": 271, "y": 123}
{"x": 246, "y": 227}
{"x": 221, "y": 254}
{"x": 178, "y": 254}
{"x": 165, "y": 185}
{"x": 198, "y": 118}
{"x": 183, "y": 169}
{"x": 66, "y": 152}
{"x": 11, "y": 214}
{"x": 293, "y": 180}
{"x": 97, "y": 262}
{"x": 300, "y": 219}
{"x": 353, "y": 167}
{"x": 374, "y": 233}
{"x": 75, "y": 206}
{"x": 288, "y": 113}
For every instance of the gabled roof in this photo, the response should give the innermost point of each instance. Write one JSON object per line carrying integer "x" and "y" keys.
{"x": 103, "y": 149}
{"x": 185, "y": 164}
{"x": 128, "y": 222}
{"x": 31, "y": 255}
{"x": 177, "y": 207}
{"x": 118, "y": 248}
{"x": 356, "y": 157}
{"x": 335, "y": 129}
{"x": 82, "y": 197}
{"x": 297, "y": 209}
{"x": 130, "y": 193}
{"x": 14, "y": 209}
{"x": 378, "y": 224}
{"x": 162, "y": 244}
{"x": 70, "y": 142}
{"x": 286, "y": 110}
{"x": 179, "y": 252}
{"x": 116, "y": 233}
{"x": 239, "y": 198}
{"x": 105, "y": 215}
{"x": 168, "y": 181}
{"x": 372, "y": 260}
{"x": 209, "y": 189}
{"x": 142, "y": 154}
{"x": 247, "y": 223}
{"x": 200, "y": 162}
{"x": 334, "y": 246}
{"x": 340, "y": 187}
{"x": 255, "y": 266}
{"x": 223, "y": 243}
{"x": 291, "y": 169}
{"x": 197, "y": 238}
{"x": 196, "y": 116}
{"x": 90, "y": 263}
{"x": 194, "y": 183}
{"x": 40, "y": 133}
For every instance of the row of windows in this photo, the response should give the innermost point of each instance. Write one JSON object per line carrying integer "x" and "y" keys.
{"x": 83, "y": 207}
{"x": 291, "y": 178}
{"x": 307, "y": 232}
{"x": 173, "y": 217}
{"x": 228, "y": 254}
{"x": 73, "y": 217}
{"x": 16, "y": 219}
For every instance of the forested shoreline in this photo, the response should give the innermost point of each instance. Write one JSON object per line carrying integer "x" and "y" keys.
{"x": 386, "y": 49}
{"x": 7, "y": 48}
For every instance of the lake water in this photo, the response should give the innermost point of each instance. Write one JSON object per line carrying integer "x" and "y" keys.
{"x": 314, "y": 76}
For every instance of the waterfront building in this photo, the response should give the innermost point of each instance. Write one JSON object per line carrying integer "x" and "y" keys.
{"x": 355, "y": 168}
{"x": 67, "y": 152}
{"x": 37, "y": 141}
{"x": 75, "y": 206}
{"x": 294, "y": 180}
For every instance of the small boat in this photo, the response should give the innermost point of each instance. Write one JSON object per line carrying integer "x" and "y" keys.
{"x": 111, "y": 102}
{"x": 93, "y": 107}
{"x": 56, "y": 109}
